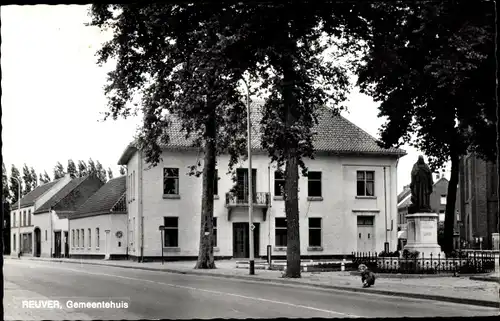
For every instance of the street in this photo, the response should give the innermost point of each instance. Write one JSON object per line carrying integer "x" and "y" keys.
{"x": 153, "y": 294}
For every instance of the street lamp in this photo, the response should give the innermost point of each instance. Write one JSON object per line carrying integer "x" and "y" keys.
{"x": 19, "y": 210}
{"x": 250, "y": 189}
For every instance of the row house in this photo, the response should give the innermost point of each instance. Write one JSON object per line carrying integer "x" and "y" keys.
{"x": 99, "y": 227}
{"x": 347, "y": 203}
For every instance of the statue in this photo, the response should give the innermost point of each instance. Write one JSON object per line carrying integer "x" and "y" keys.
{"x": 421, "y": 187}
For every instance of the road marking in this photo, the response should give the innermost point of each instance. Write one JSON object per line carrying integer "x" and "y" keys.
{"x": 215, "y": 292}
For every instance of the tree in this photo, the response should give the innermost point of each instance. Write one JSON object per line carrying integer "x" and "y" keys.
{"x": 82, "y": 168}
{"x": 122, "y": 170}
{"x": 110, "y": 173}
{"x": 46, "y": 177}
{"x": 91, "y": 169}
{"x": 59, "y": 171}
{"x": 26, "y": 179}
{"x": 431, "y": 65}
{"x": 34, "y": 179}
{"x": 190, "y": 82}
{"x": 15, "y": 181}
{"x": 71, "y": 169}
{"x": 100, "y": 171}
{"x": 5, "y": 185}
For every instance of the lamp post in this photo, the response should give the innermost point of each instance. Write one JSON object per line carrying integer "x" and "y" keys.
{"x": 250, "y": 187}
{"x": 19, "y": 210}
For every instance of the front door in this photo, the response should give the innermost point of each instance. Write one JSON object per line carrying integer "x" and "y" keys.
{"x": 66, "y": 245}
{"x": 241, "y": 245}
{"x": 366, "y": 239}
{"x": 38, "y": 242}
{"x": 57, "y": 244}
{"x": 242, "y": 184}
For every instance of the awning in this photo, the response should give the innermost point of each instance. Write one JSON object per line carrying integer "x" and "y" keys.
{"x": 402, "y": 235}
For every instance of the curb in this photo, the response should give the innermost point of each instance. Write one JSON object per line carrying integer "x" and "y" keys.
{"x": 484, "y": 303}
{"x": 495, "y": 279}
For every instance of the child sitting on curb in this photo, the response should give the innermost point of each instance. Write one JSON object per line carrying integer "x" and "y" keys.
{"x": 367, "y": 276}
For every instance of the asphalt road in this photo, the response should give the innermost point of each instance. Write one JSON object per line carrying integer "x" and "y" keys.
{"x": 153, "y": 295}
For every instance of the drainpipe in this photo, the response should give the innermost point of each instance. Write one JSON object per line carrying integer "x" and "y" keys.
{"x": 51, "y": 231}
{"x": 268, "y": 210}
{"x": 141, "y": 221}
{"x": 386, "y": 245}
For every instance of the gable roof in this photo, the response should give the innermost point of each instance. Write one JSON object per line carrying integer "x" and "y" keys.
{"x": 109, "y": 198}
{"x": 30, "y": 198}
{"x": 334, "y": 134}
{"x": 61, "y": 194}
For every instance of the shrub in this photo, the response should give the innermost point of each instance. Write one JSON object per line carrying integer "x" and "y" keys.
{"x": 389, "y": 254}
{"x": 410, "y": 254}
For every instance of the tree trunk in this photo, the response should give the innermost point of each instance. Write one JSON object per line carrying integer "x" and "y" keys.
{"x": 291, "y": 177}
{"x": 206, "y": 252}
{"x": 451, "y": 198}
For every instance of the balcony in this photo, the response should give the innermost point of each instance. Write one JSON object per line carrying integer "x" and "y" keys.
{"x": 260, "y": 200}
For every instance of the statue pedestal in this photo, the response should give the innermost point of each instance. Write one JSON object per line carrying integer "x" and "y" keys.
{"x": 421, "y": 232}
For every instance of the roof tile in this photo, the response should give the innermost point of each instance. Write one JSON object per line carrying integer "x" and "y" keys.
{"x": 104, "y": 199}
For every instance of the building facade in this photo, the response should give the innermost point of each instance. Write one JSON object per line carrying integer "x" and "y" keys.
{"x": 478, "y": 202}
{"x": 347, "y": 203}
{"x": 98, "y": 229}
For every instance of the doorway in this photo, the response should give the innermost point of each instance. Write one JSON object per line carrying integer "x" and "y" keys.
{"x": 38, "y": 242}
{"x": 66, "y": 245}
{"x": 57, "y": 244}
{"x": 242, "y": 184}
{"x": 366, "y": 235}
{"x": 241, "y": 245}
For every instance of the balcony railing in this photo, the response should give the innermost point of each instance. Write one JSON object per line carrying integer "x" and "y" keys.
{"x": 262, "y": 199}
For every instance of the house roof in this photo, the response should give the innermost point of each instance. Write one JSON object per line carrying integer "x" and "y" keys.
{"x": 334, "y": 134}
{"x": 61, "y": 194}
{"x": 109, "y": 198}
{"x": 30, "y": 198}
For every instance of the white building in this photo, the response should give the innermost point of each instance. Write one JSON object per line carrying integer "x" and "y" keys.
{"x": 51, "y": 216}
{"x": 22, "y": 222}
{"x": 98, "y": 229}
{"x": 348, "y": 203}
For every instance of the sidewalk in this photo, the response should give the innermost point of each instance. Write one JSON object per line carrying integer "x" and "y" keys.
{"x": 450, "y": 289}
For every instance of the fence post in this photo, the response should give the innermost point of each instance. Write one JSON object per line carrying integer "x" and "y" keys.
{"x": 432, "y": 266}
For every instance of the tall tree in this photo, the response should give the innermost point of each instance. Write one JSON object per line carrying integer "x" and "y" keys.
{"x": 431, "y": 65}
{"x": 122, "y": 170}
{"x": 46, "y": 177}
{"x": 71, "y": 168}
{"x": 91, "y": 169}
{"x": 59, "y": 171}
{"x": 27, "y": 180}
{"x": 5, "y": 185}
{"x": 15, "y": 184}
{"x": 190, "y": 81}
{"x": 34, "y": 179}
{"x": 82, "y": 168}
{"x": 101, "y": 172}
{"x": 110, "y": 173}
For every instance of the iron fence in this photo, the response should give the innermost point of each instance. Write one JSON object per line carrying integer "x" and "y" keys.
{"x": 259, "y": 198}
{"x": 460, "y": 262}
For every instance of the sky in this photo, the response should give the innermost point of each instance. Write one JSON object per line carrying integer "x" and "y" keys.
{"x": 53, "y": 97}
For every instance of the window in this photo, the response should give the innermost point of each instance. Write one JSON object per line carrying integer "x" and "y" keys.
{"x": 45, "y": 235}
{"x": 216, "y": 183}
{"x": 214, "y": 225}
{"x": 97, "y": 238}
{"x": 365, "y": 220}
{"x": 365, "y": 183}
{"x": 280, "y": 231}
{"x": 171, "y": 234}
{"x": 21, "y": 218}
{"x": 279, "y": 183}
{"x": 171, "y": 181}
{"x": 90, "y": 239}
{"x": 443, "y": 199}
{"x": 73, "y": 238}
{"x": 314, "y": 184}
{"x": 314, "y": 231}
{"x": 14, "y": 242}
{"x": 29, "y": 217}
{"x": 83, "y": 237}
{"x": 77, "y": 238}
{"x": 13, "y": 219}
{"x": 25, "y": 218}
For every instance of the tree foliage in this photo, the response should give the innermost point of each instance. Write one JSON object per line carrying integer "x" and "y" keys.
{"x": 34, "y": 178}
{"x": 27, "y": 179}
{"x": 5, "y": 185}
{"x": 59, "y": 171}
{"x": 46, "y": 177}
{"x": 82, "y": 168}
{"x": 71, "y": 169}
{"x": 100, "y": 171}
{"x": 91, "y": 168}
{"x": 15, "y": 184}
{"x": 122, "y": 170}
{"x": 110, "y": 173}
{"x": 431, "y": 66}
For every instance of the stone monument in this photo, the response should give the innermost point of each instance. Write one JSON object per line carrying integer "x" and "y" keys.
{"x": 422, "y": 224}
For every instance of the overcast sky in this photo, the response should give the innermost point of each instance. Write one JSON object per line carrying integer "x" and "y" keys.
{"x": 52, "y": 94}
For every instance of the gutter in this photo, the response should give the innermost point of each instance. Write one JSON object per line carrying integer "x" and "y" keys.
{"x": 141, "y": 221}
